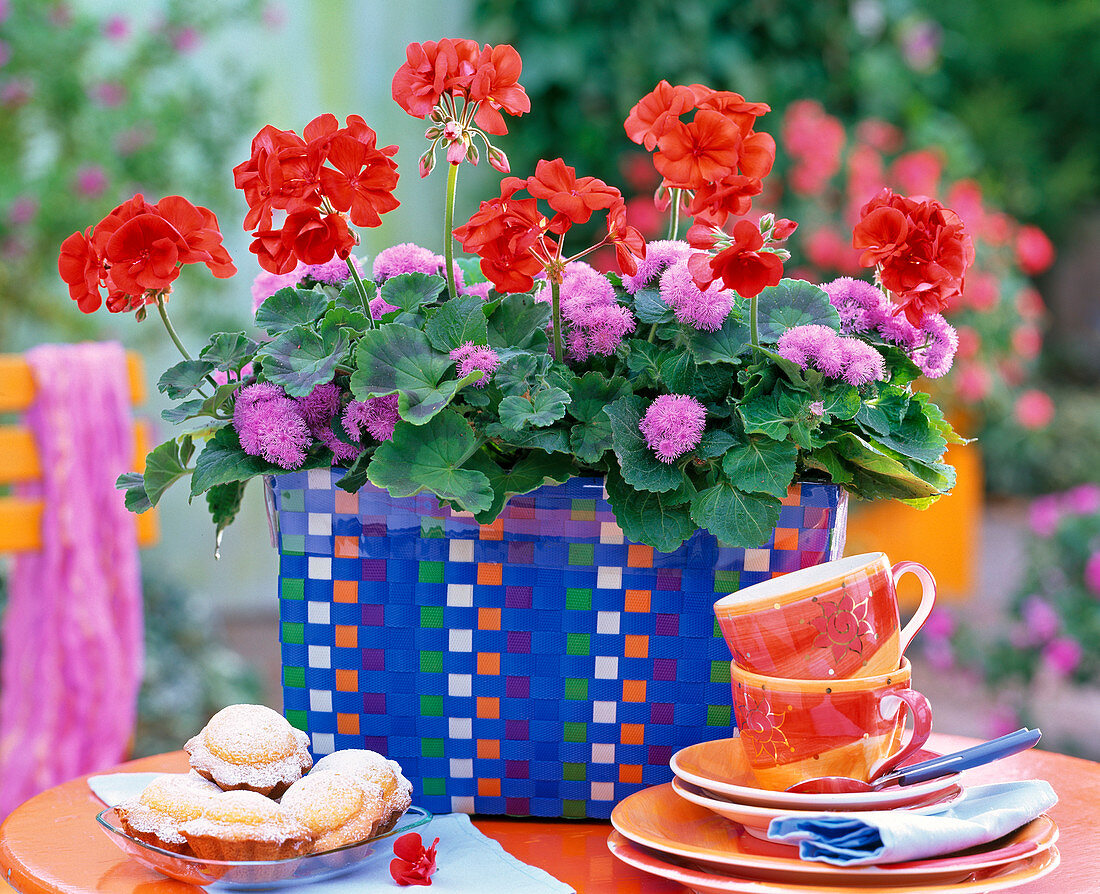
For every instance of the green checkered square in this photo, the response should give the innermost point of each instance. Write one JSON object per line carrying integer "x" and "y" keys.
{"x": 431, "y": 706}
{"x": 294, "y": 634}
{"x": 292, "y": 588}
{"x": 433, "y": 786}
{"x": 431, "y": 748}
{"x": 431, "y": 573}
{"x": 293, "y": 500}
{"x": 582, "y": 553}
{"x": 718, "y": 715}
{"x": 431, "y": 662}
{"x": 726, "y": 580}
{"x": 293, "y": 544}
{"x": 572, "y": 809}
{"x": 294, "y": 676}
{"x": 576, "y": 690}
{"x": 577, "y": 644}
{"x": 431, "y": 616}
{"x": 583, "y": 505}
{"x": 574, "y": 772}
{"x": 574, "y": 732}
{"x": 578, "y": 599}
{"x": 297, "y": 719}
{"x": 719, "y": 671}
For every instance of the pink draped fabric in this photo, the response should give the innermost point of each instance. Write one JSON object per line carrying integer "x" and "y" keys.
{"x": 73, "y": 630}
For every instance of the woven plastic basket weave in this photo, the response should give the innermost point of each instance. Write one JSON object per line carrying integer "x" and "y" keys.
{"x": 541, "y": 665}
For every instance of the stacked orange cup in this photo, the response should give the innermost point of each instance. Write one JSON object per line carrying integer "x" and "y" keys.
{"x": 820, "y": 683}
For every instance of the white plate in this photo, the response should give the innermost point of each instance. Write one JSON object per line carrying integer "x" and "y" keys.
{"x": 721, "y": 766}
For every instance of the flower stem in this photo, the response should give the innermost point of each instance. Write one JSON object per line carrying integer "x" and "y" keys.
{"x": 674, "y": 213}
{"x": 362, "y": 290}
{"x": 448, "y": 224}
{"x": 555, "y": 304}
{"x": 171, "y": 329}
{"x": 754, "y": 333}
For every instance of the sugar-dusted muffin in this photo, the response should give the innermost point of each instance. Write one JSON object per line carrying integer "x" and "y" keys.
{"x": 245, "y": 825}
{"x": 338, "y": 808}
{"x": 155, "y": 816}
{"x": 250, "y": 747}
{"x": 370, "y": 766}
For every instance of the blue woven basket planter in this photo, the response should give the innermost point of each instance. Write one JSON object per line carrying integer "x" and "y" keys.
{"x": 541, "y": 665}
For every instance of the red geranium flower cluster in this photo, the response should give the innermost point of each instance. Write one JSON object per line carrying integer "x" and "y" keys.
{"x": 717, "y": 157}
{"x": 321, "y": 180}
{"x": 488, "y": 76}
{"x": 413, "y": 864}
{"x": 742, "y": 262}
{"x": 920, "y": 248}
{"x": 137, "y": 250}
{"x": 516, "y": 241}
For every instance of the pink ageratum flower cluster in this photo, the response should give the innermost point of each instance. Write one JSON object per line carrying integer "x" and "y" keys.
{"x": 471, "y": 357}
{"x": 594, "y": 321}
{"x": 408, "y": 257}
{"x": 672, "y": 425}
{"x": 333, "y": 273}
{"x": 659, "y": 256}
{"x": 702, "y": 308}
{"x": 1046, "y": 512}
{"x": 837, "y": 356}
{"x": 281, "y": 429}
{"x": 865, "y": 309}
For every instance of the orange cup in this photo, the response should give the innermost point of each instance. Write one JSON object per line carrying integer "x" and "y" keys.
{"x": 794, "y": 730}
{"x": 838, "y": 619}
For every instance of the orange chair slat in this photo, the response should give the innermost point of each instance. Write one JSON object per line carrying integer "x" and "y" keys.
{"x": 20, "y": 524}
{"x": 17, "y": 383}
{"x": 18, "y": 455}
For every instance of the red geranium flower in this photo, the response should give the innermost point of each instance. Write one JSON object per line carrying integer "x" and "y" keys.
{"x": 362, "y": 182}
{"x": 82, "y": 269}
{"x": 656, "y": 112}
{"x": 741, "y": 266}
{"x": 921, "y": 250}
{"x": 413, "y": 864}
{"x": 503, "y": 232}
{"x": 704, "y": 151}
{"x": 314, "y": 239}
{"x": 557, "y": 183}
{"x": 629, "y": 243}
{"x": 495, "y": 85}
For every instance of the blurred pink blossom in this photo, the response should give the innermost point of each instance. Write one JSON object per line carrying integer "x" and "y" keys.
{"x": 1001, "y": 720}
{"x": 186, "y": 40}
{"x": 16, "y": 92}
{"x": 1034, "y": 250}
{"x": 90, "y": 181}
{"x": 22, "y": 210}
{"x": 1083, "y": 499}
{"x": 110, "y": 94}
{"x": 116, "y": 28}
{"x": 1040, "y": 619}
{"x": 1034, "y": 409}
{"x": 1044, "y": 515}
{"x": 1092, "y": 573}
{"x": 1062, "y": 655}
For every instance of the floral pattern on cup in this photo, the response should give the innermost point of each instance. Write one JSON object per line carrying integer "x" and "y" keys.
{"x": 843, "y": 625}
{"x": 761, "y": 729}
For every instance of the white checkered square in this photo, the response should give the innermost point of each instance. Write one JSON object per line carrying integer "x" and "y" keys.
{"x": 460, "y": 727}
{"x": 604, "y": 712}
{"x": 320, "y": 523}
{"x": 603, "y": 753}
{"x": 603, "y": 791}
{"x": 462, "y": 804}
{"x": 460, "y": 685}
{"x": 319, "y": 479}
{"x": 324, "y": 743}
{"x": 461, "y": 551}
{"x": 462, "y": 768}
{"x": 611, "y": 533}
{"x": 607, "y": 622}
{"x": 609, "y": 578}
{"x": 460, "y": 641}
{"x": 319, "y": 568}
{"x": 320, "y": 700}
{"x": 607, "y": 667}
{"x": 460, "y": 595}
{"x": 758, "y": 559}
{"x": 320, "y": 656}
{"x": 318, "y": 612}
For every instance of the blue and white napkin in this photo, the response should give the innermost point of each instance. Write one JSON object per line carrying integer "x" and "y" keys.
{"x": 468, "y": 860}
{"x": 983, "y": 813}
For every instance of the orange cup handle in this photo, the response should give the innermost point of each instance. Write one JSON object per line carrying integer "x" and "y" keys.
{"x": 922, "y": 727}
{"x": 927, "y": 600}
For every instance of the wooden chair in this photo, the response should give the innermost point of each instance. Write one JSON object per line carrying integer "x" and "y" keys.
{"x": 20, "y": 518}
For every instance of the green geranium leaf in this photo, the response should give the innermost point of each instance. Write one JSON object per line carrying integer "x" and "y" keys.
{"x": 519, "y": 323}
{"x": 841, "y": 402}
{"x": 762, "y": 415}
{"x": 430, "y": 457}
{"x": 356, "y": 475}
{"x": 289, "y": 308}
{"x": 522, "y": 373}
{"x": 900, "y": 369}
{"x": 724, "y": 346}
{"x": 224, "y": 502}
{"x": 409, "y": 291}
{"x": 471, "y": 269}
{"x": 794, "y": 302}
{"x": 229, "y": 351}
{"x": 302, "y": 359}
{"x": 643, "y": 361}
{"x": 136, "y": 499}
{"x": 650, "y": 307}
{"x": 458, "y": 321}
{"x": 660, "y": 520}
{"x": 184, "y": 377}
{"x": 639, "y": 464}
{"x": 936, "y": 418}
{"x": 592, "y": 392}
{"x": 761, "y": 465}
{"x": 552, "y": 439}
{"x": 397, "y": 358}
{"x": 826, "y": 460}
{"x": 880, "y": 475}
{"x": 884, "y": 411}
{"x": 716, "y": 442}
{"x": 222, "y": 461}
{"x": 165, "y": 465}
{"x": 189, "y": 409}
{"x": 589, "y": 441}
{"x": 532, "y": 471}
{"x": 337, "y": 317}
{"x": 677, "y": 371}
{"x": 544, "y": 408}
{"x": 916, "y": 437}
{"x": 350, "y": 299}
{"x": 735, "y": 517}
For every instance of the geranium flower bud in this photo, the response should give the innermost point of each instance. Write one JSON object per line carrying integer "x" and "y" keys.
{"x": 427, "y": 162}
{"x": 499, "y": 160}
{"x": 472, "y": 155}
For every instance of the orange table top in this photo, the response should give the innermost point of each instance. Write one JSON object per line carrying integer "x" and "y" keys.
{"x": 52, "y": 845}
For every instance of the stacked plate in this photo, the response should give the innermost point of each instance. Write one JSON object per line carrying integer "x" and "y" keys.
{"x": 707, "y": 830}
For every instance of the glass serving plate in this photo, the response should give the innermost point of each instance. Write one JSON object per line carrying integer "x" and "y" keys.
{"x": 239, "y": 875}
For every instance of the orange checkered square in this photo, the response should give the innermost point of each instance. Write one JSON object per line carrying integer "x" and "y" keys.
{"x": 794, "y": 496}
{"x": 488, "y": 707}
{"x": 633, "y": 690}
{"x": 786, "y": 538}
{"x": 346, "y": 503}
{"x": 344, "y": 547}
{"x": 346, "y": 636}
{"x": 345, "y": 591}
{"x": 637, "y": 600}
{"x": 347, "y": 724}
{"x": 636, "y": 645}
{"x": 488, "y": 749}
{"x": 632, "y": 733}
{"x": 630, "y": 772}
{"x": 495, "y": 531}
{"x": 488, "y": 663}
{"x": 490, "y": 573}
{"x": 488, "y": 619}
{"x": 347, "y": 680}
{"x": 488, "y": 788}
{"x": 639, "y": 556}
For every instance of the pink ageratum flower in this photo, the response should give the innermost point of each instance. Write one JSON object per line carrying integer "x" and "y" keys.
{"x": 1040, "y": 619}
{"x": 672, "y": 425}
{"x": 702, "y": 309}
{"x": 269, "y": 424}
{"x": 333, "y": 273}
{"x": 837, "y": 356}
{"x": 595, "y": 322}
{"x": 1044, "y": 513}
{"x": 940, "y": 342}
{"x": 1062, "y": 655}
{"x": 859, "y": 303}
{"x": 376, "y": 416}
{"x": 319, "y": 408}
{"x": 471, "y": 357}
{"x": 1092, "y": 573}
{"x": 659, "y": 256}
